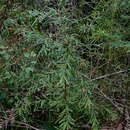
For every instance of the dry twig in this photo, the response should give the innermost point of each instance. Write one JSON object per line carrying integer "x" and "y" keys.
{"x": 108, "y": 75}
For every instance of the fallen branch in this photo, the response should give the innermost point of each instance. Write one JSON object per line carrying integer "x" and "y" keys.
{"x": 27, "y": 125}
{"x": 22, "y": 124}
{"x": 108, "y": 75}
{"x": 111, "y": 101}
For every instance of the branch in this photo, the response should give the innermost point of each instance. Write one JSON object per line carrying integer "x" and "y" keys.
{"x": 108, "y": 75}
{"x": 27, "y": 125}
{"x": 111, "y": 101}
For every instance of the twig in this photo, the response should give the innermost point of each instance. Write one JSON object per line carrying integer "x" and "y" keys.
{"x": 110, "y": 100}
{"x": 108, "y": 75}
{"x": 27, "y": 125}
{"x": 12, "y": 122}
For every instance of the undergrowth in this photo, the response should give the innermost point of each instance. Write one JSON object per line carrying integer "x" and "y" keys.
{"x": 50, "y": 56}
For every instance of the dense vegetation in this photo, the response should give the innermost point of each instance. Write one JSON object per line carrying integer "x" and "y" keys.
{"x": 64, "y": 64}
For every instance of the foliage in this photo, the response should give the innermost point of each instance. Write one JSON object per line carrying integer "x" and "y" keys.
{"x": 50, "y": 53}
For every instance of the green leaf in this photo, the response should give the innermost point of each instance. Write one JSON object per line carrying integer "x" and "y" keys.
{"x": 33, "y": 54}
{"x": 27, "y": 54}
{"x": 128, "y": 51}
{"x": 34, "y": 13}
{"x": 120, "y": 44}
{"x": 29, "y": 69}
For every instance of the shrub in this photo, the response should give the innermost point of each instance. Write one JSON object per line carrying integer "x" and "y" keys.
{"x": 49, "y": 57}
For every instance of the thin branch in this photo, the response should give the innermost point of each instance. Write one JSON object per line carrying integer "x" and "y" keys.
{"x": 12, "y": 122}
{"x": 108, "y": 75}
{"x": 27, "y": 125}
{"x": 111, "y": 101}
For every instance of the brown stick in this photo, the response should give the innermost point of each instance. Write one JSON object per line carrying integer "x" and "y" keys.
{"x": 111, "y": 101}
{"x": 108, "y": 75}
{"x": 27, "y": 125}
